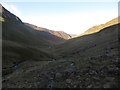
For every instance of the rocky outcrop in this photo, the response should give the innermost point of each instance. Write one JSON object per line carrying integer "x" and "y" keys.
{"x": 8, "y": 16}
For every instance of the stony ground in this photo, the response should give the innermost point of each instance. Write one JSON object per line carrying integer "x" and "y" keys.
{"x": 94, "y": 72}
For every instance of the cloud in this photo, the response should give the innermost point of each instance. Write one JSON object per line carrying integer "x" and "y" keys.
{"x": 12, "y": 8}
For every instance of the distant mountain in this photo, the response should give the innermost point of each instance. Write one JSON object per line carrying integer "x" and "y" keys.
{"x": 34, "y": 26}
{"x": 60, "y": 34}
{"x": 100, "y": 27}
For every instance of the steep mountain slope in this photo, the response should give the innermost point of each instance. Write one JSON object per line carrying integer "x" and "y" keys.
{"x": 60, "y": 34}
{"x": 100, "y": 27}
{"x": 21, "y": 43}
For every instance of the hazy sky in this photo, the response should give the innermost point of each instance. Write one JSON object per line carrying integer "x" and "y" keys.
{"x": 71, "y": 17}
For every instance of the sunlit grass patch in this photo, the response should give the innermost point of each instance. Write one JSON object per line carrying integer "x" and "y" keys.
{"x": 2, "y": 19}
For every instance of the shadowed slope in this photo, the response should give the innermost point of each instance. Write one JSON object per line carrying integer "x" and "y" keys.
{"x": 21, "y": 43}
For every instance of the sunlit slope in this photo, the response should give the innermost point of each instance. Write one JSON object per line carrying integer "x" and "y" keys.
{"x": 97, "y": 28}
{"x": 60, "y": 34}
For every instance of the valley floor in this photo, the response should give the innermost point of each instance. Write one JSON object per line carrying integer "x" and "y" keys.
{"x": 65, "y": 73}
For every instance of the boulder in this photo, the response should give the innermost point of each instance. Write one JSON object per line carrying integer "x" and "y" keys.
{"x": 68, "y": 81}
{"x": 58, "y": 75}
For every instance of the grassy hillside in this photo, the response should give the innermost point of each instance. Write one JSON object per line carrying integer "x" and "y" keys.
{"x": 90, "y": 45}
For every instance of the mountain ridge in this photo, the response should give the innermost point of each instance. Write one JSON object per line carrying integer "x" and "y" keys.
{"x": 60, "y": 34}
{"x": 97, "y": 28}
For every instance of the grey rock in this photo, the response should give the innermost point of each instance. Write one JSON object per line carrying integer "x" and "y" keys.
{"x": 51, "y": 84}
{"x": 70, "y": 69}
{"x": 59, "y": 66}
{"x": 107, "y": 85}
{"x": 75, "y": 86}
{"x": 96, "y": 86}
{"x": 58, "y": 75}
{"x": 78, "y": 77}
{"x": 96, "y": 78}
{"x": 68, "y": 81}
{"x": 72, "y": 64}
{"x": 92, "y": 72}
{"x": 51, "y": 78}
{"x": 110, "y": 79}
{"x": 89, "y": 86}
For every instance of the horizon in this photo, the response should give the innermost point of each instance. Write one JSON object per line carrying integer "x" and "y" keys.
{"x": 70, "y": 17}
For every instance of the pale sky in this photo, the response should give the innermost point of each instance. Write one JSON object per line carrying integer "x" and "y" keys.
{"x": 70, "y": 17}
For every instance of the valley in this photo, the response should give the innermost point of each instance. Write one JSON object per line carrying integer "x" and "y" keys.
{"x": 36, "y": 57}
